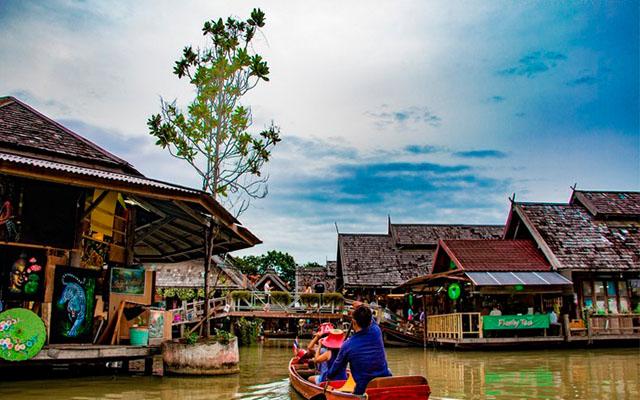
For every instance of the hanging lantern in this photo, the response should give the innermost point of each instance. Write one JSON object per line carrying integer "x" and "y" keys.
{"x": 454, "y": 291}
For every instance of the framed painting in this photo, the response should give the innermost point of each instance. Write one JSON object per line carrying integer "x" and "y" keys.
{"x": 23, "y": 271}
{"x": 94, "y": 254}
{"x": 73, "y": 304}
{"x": 127, "y": 281}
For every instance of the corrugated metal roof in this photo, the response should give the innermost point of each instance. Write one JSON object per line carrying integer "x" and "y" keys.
{"x": 517, "y": 278}
{"x": 74, "y": 169}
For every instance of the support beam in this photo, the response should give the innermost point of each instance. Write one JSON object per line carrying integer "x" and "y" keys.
{"x": 154, "y": 227}
{"x": 189, "y": 211}
{"x": 95, "y": 204}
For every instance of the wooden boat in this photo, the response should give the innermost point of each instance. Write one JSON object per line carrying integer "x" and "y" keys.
{"x": 394, "y": 337}
{"x": 389, "y": 388}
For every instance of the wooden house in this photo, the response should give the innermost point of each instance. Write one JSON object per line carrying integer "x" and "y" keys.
{"x": 370, "y": 264}
{"x": 308, "y": 278}
{"x": 76, "y": 210}
{"x": 594, "y": 240}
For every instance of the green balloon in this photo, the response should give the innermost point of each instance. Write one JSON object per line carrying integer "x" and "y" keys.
{"x": 22, "y": 334}
{"x": 454, "y": 291}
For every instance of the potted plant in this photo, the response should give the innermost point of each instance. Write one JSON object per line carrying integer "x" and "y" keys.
{"x": 139, "y": 332}
{"x": 195, "y": 355}
{"x": 310, "y": 299}
{"x": 282, "y": 298}
{"x": 334, "y": 299}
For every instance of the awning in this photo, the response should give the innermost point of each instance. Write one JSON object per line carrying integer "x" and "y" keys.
{"x": 517, "y": 278}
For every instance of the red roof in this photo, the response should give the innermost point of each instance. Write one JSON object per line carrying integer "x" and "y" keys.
{"x": 495, "y": 255}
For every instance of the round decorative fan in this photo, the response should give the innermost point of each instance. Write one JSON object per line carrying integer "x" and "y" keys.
{"x": 22, "y": 334}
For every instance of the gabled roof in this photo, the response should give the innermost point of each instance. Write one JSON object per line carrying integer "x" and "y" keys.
{"x": 608, "y": 204}
{"x": 369, "y": 260}
{"x": 493, "y": 255}
{"x": 272, "y": 276}
{"x": 572, "y": 238}
{"x": 427, "y": 235}
{"x": 25, "y": 131}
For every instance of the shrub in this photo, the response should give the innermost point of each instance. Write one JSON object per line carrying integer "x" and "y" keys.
{"x": 283, "y": 298}
{"x": 185, "y": 294}
{"x": 169, "y": 292}
{"x": 159, "y": 292}
{"x": 248, "y": 331}
{"x": 309, "y": 298}
{"x": 222, "y": 336}
{"x": 191, "y": 338}
{"x": 335, "y": 298}
{"x": 241, "y": 295}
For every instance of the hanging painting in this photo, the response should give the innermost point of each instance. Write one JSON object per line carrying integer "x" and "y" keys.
{"x": 74, "y": 300}
{"x": 23, "y": 269}
{"x": 8, "y": 211}
{"x": 94, "y": 254}
{"x": 127, "y": 281}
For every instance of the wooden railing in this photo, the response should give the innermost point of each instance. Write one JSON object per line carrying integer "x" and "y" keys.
{"x": 193, "y": 311}
{"x": 454, "y": 326}
{"x": 614, "y": 324}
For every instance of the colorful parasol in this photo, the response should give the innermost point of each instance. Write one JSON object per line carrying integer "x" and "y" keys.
{"x": 22, "y": 334}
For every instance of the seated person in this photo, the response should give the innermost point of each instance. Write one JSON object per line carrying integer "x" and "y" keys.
{"x": 364, "y": 352}
{"x": 326, "y": 355}
{"x": 304, "y": 355}
{"x": 553, "y": 321}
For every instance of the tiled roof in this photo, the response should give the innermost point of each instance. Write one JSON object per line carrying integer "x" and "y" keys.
{"x": 408, "y": 235}
{"x": 495, "y": 255}
{"x": 373, "y": 261}
{"x": 611, "y": 204}
{"x": 26, "y": 131}
{"x": 309, "y": 276}
{"x": 580, "y": 241}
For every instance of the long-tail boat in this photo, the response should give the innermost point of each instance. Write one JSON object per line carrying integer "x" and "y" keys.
{"x": 388, "y": 388}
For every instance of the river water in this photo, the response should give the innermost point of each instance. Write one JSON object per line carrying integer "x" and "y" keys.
{"x": 552, "y": 374}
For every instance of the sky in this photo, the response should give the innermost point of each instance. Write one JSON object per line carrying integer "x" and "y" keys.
{"x": 417, "y": 111}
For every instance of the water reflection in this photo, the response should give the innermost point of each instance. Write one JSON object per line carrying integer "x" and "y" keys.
{"x": 558, "y": 374}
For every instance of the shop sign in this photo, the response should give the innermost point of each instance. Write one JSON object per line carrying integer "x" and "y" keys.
{"x": 537, "y": 321}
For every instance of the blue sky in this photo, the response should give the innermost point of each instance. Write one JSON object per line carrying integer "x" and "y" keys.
{"x": 424, "y": 111}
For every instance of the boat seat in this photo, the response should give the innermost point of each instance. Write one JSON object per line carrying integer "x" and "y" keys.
{"x": 390, "y": 381}
{"x": 349, "y": 386}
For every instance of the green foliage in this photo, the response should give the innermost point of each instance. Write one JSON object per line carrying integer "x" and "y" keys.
{"x": 335, "y": 298}
{"x": 191, "y": 338}
{"x": 309, "y": 299}
{"x": 223, "y": 337}
{"x": 160, "y": 292}
{"x": 185, "y": 294}
{"x": 282, "y": 298}
{"x": 169, "y": 292}
{"x": 281, "y": 262}
{"x": 248, "y": 330}
{"x": 312, "y": 264}
{"x": 241, "y": 295}
{"x": 212, "y": 134}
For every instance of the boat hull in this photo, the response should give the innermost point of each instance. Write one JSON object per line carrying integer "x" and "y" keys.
{"x": 396, "y": 338}
{"x": 408, "y": 388}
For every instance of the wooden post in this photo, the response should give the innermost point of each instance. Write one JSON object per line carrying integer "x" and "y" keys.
{"x": 589, "y": 323}
{"x": 567, "y": 329}
{"x": 148, "y": 366}
{"x": 424, "y": 322}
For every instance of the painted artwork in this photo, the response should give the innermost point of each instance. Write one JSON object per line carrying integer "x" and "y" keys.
{"x": 24, "y": 269}
{"x": 127, "y": 281}
{"x": 156, "y": 324}
{"x": 94, "y": 254}
{"x": 74, "y": 301}
{"x": 8, "y": 211}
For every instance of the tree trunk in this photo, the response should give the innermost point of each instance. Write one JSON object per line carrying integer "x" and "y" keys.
{"x": 207, "y": 264}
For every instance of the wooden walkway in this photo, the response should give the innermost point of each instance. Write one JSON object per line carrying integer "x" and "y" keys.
{"x": 259, "y": 305}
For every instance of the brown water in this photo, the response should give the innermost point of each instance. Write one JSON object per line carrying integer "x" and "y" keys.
{"x": 557, "y": 374}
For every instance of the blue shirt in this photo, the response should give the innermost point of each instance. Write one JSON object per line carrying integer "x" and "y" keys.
{"x": 364, "y": 352}
{"x": 325, "y": 366}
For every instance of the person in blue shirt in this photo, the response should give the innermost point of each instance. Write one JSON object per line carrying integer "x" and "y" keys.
{"x": 364, "y": 352}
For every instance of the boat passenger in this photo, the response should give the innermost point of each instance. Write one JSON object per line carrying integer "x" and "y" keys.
{"x": 326, "y": 355}
{"x": 364, "y": 352}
